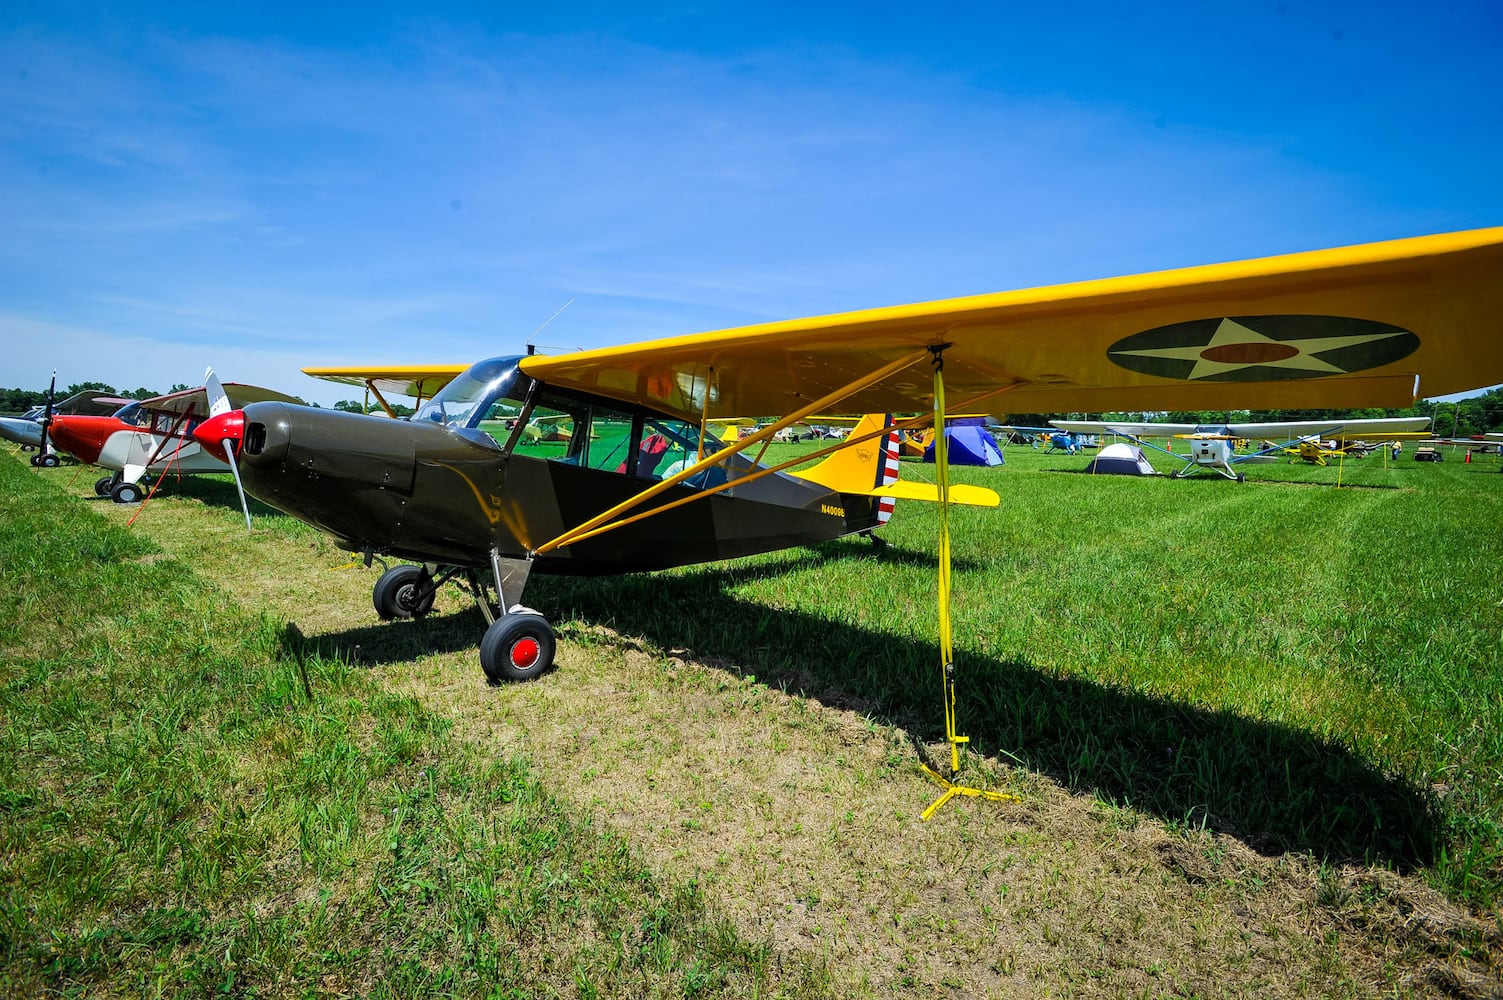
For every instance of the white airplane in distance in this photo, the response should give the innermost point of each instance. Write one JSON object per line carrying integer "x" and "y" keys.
{"x": 1211, "y": 444}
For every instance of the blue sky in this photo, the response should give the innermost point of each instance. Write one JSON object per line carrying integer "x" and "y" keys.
{"x": 281, "y": 185}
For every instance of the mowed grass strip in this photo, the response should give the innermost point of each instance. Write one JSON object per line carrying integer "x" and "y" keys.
{"x": 178, "y": 818}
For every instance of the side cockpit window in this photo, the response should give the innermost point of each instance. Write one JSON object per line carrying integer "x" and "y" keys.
{"x": 556, "y": 431}
{"x": 589, "y": 434}
{"x": 500, "y": 419}
{"x": 676, "y": 446}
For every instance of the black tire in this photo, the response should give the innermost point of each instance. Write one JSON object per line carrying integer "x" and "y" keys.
{"x": 103, "y": 485}
{"x": 403, "y": 592}
{"x": 127, "y": 493}
{"x": 49, "y": 461}
{"x": 517, "y": 647}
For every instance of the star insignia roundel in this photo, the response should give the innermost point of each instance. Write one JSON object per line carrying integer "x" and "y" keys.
{"x": 1262, "y": 348}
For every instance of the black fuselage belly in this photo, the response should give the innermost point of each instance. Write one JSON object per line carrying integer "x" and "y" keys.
{"x": 424, "y": 493}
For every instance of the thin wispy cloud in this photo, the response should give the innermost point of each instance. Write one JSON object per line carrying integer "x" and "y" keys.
{"x": 430, "y": 188}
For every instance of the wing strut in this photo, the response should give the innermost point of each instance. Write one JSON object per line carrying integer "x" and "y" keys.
{"x": 574, "y": 534}
{"x": 946, "y": 637}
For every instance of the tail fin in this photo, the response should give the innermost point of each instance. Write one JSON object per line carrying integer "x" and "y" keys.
{"x": 866, "y": 475}
{"x": 861, "y": 468}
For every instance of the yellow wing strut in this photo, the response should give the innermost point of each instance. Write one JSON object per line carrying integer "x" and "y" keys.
{"x": 575, "y": 534}
{"x": 946, "y": 636}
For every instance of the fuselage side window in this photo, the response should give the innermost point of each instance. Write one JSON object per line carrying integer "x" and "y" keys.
{"x": 557, "y": 430}
{"x": 500, "y": 419}
{"x": 612, "y": 442}
{"x": 678, "y": 446}
{"x": 583, "y": 432}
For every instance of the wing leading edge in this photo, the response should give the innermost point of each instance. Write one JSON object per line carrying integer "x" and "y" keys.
{"x": 1365, "y": 325}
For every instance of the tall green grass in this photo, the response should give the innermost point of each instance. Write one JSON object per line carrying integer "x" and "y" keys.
{"x": 178, "y": 817}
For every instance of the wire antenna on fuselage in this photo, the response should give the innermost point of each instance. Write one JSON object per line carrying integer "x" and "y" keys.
{"x": 532, "y": 347}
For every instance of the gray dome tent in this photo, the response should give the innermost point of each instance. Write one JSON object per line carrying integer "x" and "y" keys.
{"x": 1121, "y": 460}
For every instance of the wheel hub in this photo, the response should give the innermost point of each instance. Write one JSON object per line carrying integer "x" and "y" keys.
{"x": 524, "y": 652}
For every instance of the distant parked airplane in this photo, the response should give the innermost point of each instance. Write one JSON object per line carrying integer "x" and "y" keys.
{"x": 1211, "y": 444}
{"x": 27, "y": 430}
{"x": 150, "y": 436}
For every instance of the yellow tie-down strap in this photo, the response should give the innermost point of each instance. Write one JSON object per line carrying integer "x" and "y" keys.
{"x": 971, "y": 496}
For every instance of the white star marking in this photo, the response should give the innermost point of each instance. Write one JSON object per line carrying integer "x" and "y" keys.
{"x": 1231, "y": 332}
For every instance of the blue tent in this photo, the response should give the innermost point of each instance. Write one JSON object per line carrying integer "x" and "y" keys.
{"x": 969, "y": 444}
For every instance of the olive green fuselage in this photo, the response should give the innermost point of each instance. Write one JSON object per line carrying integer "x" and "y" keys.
{"x": 428, "y": 493}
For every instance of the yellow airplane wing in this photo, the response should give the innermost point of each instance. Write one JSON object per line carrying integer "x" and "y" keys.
{"x": 418, "y": 381}
{"x": 1355, "y": 326}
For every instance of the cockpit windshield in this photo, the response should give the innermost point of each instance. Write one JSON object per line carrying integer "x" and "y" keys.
{"x": 131, "y": 413}
{"x": 464, "y": 401}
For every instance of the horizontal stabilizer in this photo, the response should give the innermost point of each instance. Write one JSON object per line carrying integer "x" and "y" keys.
{"x": 970, "y": 496}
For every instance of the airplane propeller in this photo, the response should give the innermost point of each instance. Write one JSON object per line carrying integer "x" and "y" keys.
{"x": 44, "y": 456}
{"x": 216, "y": 431}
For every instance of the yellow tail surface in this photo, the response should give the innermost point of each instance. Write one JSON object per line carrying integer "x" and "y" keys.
{"x": 855, "y": 468}
{"x": 863, "y": 469}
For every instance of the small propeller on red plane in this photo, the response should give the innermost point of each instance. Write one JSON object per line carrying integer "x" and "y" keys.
{"x": 44, "y": 456}
{"x": 220, "y": 435}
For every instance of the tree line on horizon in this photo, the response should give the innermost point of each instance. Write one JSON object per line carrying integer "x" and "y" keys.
{"x": 1474, "y": 415}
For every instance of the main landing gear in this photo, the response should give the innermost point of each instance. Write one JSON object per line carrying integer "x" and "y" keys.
{"x": 518, "y": 644}
{"x": 120, "y": 491}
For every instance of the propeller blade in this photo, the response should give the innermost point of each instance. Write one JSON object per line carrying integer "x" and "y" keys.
{"x": 45, "y": 447}
{"x": 219, "y": 404}
{"x": 229, "y": 450}
{"x": 219, "y": 400}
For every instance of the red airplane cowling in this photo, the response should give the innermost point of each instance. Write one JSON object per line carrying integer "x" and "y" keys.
{"x": 214, "y": 432}
{"x": 84, "y": 437}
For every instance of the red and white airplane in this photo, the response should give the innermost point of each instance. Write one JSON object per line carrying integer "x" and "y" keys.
{"x": 149, "y": 438}
{"x": 26, "y": 430}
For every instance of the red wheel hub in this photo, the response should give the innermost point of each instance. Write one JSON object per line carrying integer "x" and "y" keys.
{"x": 524, "y": 652}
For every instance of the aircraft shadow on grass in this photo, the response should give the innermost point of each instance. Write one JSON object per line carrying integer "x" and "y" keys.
{"x": 1273, "y": 786}
{"x": 213, "y": 491}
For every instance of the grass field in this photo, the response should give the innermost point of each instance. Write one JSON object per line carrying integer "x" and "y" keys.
{"x": 1254, "y": 728}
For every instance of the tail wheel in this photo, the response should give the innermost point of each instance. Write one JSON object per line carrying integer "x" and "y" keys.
{"x": 517, "y": 647}
{"x": 403, "y": 592}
